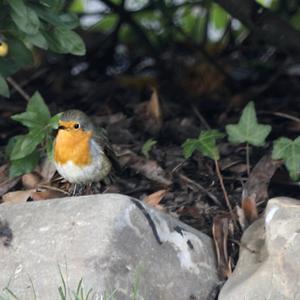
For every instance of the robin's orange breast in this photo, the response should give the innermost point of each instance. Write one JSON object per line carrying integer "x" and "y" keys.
{"x": 73, "y": 145}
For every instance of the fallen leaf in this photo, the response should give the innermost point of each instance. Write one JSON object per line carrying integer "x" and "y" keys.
{"x": 220, "y": 231}
{"x": 17, "y": 196}
{"x": 155, "y": 198}
{"x": 154, "y": 106}
{"x": 256, "y": 187}
{"x": 250, "y": 209}
{"x": 151, "y": 170}
{"x": 47, "y": 194}
{"x": 148, "y": 168}
{"x": 31, "y": 180}
{"x": 150, "y": 114}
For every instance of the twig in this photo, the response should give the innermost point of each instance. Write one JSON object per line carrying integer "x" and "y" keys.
{"x": 49, "y": 187}
{"x": 200, "y": 117}
{"x": 201, "y": 188}
{"x": 18, "y": 88}
{"x": 282, "y": 115}
{"x": 179, "y": 166}
{"x": 224, "y": 191}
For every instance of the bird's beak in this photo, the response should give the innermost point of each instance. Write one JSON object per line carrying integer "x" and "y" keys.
{"x": 62, "y": 127}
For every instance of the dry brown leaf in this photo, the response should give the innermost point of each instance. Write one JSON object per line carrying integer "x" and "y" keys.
{"x": 17, "y": 196}
{"x": 152, "y": 171}
{"x": 150, "y": 114}
{"x": 154, "y": 109}
{"x": 155, "y": 198}
{"x": 220, "y": 231}
{"x": 256, "y": 188}
{"x": 47, "y": 194}
{"x": 31, "y": 180}
{"x": 148, "y": 168}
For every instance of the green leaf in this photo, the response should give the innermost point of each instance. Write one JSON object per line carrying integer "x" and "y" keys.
{"x": 53, "y": 4}
{"x": 10, "y": 145}
{"x": 18, "y": 6}
{"x": 77, "y": 6}
{"x": 4, "y": 90}
{"x": 19, "y": 53}
{"x": 219, "y": 16}
{"x": 37, "y": 40}
{"x": 28, "y": 119}
{"x": 37, "y": 114}
{"x": 8, "y": 66}
{"x": 289, "y": 151}
{"x": 26, "y": 144}
{"x": 206, "y": 144}
{"x": 148, "y": 146}
{"x": 67, "y": 21}
{"x": 24, "y": 17}
{"x": 37, "y": 105}
{"x": 63, "y": 40}
{"x": 53, "y": 122}
{"x": 248, "y": 130}
{"x": 24, "y": 165}
{"x": 106, "y": 23}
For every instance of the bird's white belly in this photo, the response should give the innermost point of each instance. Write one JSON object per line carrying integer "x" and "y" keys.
{"x": 84, "y": 174}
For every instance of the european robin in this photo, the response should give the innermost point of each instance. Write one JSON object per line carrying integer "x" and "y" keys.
{"x": 82, "y": 152}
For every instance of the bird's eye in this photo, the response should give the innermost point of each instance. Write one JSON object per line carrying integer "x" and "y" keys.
{"x": 76, "y": 126}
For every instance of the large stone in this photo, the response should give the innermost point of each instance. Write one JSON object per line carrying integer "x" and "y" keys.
{"x": 113, "y": 242}
{"x": 269, "y": 262}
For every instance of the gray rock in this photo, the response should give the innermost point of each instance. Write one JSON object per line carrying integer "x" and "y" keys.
{"x": 269, "y": 262}
{"x": 115, "y": 244}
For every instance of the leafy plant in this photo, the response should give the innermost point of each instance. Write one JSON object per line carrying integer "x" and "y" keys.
{"x": 22, "y": 150}
{"x": 148, "y": 146}
{"x": 289, "y": 151}
{"x": 207, "y": 145}
{"x": 25, "y": 25}
{"x": 248, "y": 131}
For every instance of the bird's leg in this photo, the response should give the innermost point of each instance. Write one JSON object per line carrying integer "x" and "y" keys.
{"x": 74, "y": 190}
{"x": 89, "y": 188}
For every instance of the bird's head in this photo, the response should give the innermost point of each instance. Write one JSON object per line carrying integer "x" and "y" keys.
{"x": 75, "y": 121}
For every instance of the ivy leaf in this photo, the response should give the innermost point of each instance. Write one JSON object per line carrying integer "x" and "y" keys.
{"x": 206, "y": 144}
{"x": 4, "y": 90}
{"x": 289, "y": 151}
{"x": 248, "y": 130}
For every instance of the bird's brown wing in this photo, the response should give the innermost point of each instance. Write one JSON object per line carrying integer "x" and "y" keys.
{"x": 102, "y": 139}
